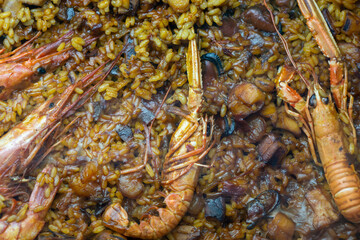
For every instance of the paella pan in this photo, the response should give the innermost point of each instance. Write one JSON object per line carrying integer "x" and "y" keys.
{"x": 178, "y": 119}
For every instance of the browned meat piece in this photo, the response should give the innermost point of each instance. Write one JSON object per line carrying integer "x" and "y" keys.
{"x": 281, "y": 227}
{"x": 185, "y": 232}
{"x": 324, "y": 212}
{"x": 271, "y": 148}
{"x": 245, "y": 99}
{"x": 259, "y": 17}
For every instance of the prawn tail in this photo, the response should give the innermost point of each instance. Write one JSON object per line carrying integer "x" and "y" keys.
{"x": 153, "y": 227}
{"x": 31, "y": 218}
{"x": 345, "y": 187}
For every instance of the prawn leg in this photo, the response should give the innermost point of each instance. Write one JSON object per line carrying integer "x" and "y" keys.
{"x": 179, "y": 179}
{"x": 29, "y": 223}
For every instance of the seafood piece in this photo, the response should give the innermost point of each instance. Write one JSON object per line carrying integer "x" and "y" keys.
{"x": 20, "y": 145}
{"x": 327, "y": 44}
{"x": 19, "y": 68}
{"x": 180, "y": 171}
{"x": 324, "y": 128}
{"x": 28, "y": 223}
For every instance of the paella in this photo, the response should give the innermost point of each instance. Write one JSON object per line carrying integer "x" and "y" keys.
{"x": 178, "y": 119}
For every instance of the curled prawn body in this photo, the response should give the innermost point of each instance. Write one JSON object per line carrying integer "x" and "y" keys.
{"x": 333, "y": 149}
{"x": 18, "y": 69}
{"x": 180, "y": 171}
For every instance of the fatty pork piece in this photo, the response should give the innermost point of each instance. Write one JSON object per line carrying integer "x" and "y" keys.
{"x": 324, "y": 212}
{"x": 311, "y": 210}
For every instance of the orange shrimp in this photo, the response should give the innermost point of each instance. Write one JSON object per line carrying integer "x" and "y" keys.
{"x": 19, "y": 68}
{"x": 19, "y": 146}
{"x": 322, "y": 122}
{"x": 180, "y": 170}
{"x": 31, "y": 217}
{"x": 326, "y": 42}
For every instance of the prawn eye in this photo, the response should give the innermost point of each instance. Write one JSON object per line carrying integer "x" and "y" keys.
{"x": 325, "y": 100}
{"x": 41, "y": 70}
{"x": 312, "y": 101}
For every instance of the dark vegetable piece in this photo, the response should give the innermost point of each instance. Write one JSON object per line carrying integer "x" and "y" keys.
{"x": 281, "y": 227}
{"x": 215, "y": 208}
{"x": 257, "y": 129}
{"x": 215, "y": 59}
{"x": 329, "y": 20}
{"x": 261, "y": 206}
{"x": 245, "y": 99}
{"x": 259, "y": 17}
{"x": 209, "y": 73}
{"x": 115, "y": 70}
{"x": 129, "y": 47}
{"x": 124, "y": 132}
{"x": 285, "y": 3}
{"x": 146, "y": 115}
{"x": 134, "y": 5}
{"x": 196, "y": 205}
{"x": 230, "y": 188}
{"x": 70, "y": 13}
{"x": 229, "y": 127}
{"x": 102, "y": 203}
{"x": 271, "y": 149}
{"x": 352, "y": 23}
{"x": 229, "y": 27}
{"x": 97, "y": 110}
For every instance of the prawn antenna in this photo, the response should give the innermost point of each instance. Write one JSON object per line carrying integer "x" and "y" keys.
{"x": 286, "y": 46}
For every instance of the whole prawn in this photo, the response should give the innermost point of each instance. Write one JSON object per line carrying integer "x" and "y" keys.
{"x": 23, "y": 65}
{"x": 322, "y": 123}
{"x": 19, "y": 146}
{"x": 180, "y": 171}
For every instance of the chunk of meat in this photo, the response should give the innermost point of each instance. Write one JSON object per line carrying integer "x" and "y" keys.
{"x": 15, "y": 5}
{"x": 285, "y": 3}
{"x": 259, "y": 17}
{"x": 281, "y": 227}
{"x": 271, "y": 148}
{"x": 186, "y": 232}
{"x": 257, "y": 129}
{"x": 229, "y": 27}
{"x": 131, "y": 185}
{"x": 324, "y": 212}
{"x": 245, "y": 99}
{"x": 261, "y": 206}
